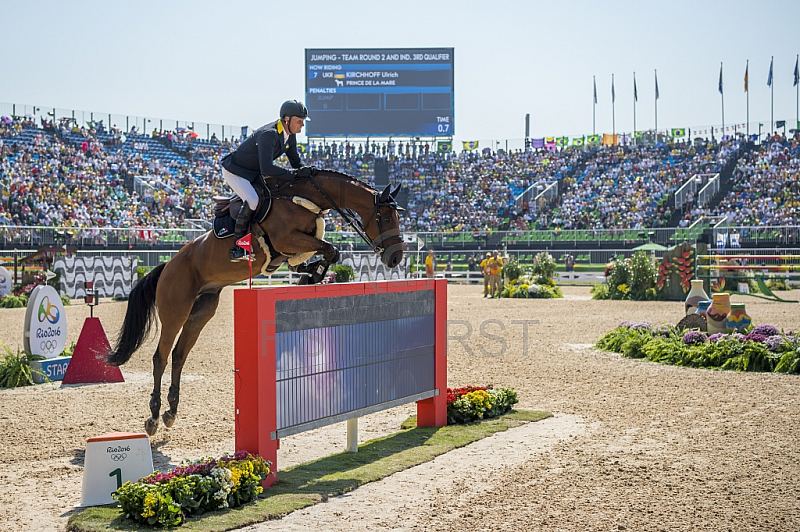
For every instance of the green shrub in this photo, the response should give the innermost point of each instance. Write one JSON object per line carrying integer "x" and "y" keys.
{"x": 12, "y": 301}
{"x": 544, "y": 268}
{"x": 601, "y": 291}
{"x": 734, "y": 351}
{"x": 342, "y": 273}
{"x": 511, "y": 270}
{"x": 15, "y": 368}
{"x": 643, "y": 275}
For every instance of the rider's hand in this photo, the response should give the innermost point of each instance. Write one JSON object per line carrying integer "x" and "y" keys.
{"x": 306, "y": 171}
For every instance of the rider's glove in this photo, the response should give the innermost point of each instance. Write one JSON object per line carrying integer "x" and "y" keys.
{"x": 306, "y": 171}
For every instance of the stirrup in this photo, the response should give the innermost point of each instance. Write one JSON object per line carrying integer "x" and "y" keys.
{"x": 237, "y": 254}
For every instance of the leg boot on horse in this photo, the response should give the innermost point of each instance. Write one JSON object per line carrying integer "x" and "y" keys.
{"x": 242, "y": 226}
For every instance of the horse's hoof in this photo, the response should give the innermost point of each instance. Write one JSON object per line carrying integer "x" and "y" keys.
{"x": 151, "y": 426}
{"x": 169, "y": 418}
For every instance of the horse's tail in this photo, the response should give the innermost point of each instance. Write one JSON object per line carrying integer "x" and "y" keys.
{"x": 138, "y": 318}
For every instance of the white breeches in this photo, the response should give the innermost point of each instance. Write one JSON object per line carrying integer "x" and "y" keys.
{"x": 243, "y": 188}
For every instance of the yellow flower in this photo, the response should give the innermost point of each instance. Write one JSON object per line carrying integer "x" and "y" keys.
{"x": 150, "y": 502}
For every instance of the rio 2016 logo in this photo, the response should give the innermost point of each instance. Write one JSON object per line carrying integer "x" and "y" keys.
{"x": 47, "y": 311}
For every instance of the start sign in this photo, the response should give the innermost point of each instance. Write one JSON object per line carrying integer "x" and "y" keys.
{"x": 45, "y": 330}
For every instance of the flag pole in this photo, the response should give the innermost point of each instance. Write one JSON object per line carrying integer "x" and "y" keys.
{"x": 747, "y": 91}
{"x": 634, "y": 109}
{"x": 613, "y": 108}
{"x": 722, "y": 96}
{"x": 594, "y": 105}
{"x": 656, "y": 75}
{"x": 797, "y": 92}
{"x": 771, "y": 98}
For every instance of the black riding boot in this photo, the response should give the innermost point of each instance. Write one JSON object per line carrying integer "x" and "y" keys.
{"x": 242, "y": 225}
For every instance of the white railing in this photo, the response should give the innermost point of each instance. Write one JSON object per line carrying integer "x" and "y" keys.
{"x": 708, "y": 192}
{"x": 687, "y": 192}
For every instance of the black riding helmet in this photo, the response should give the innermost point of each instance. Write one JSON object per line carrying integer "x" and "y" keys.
{"x": 294, "y": 108}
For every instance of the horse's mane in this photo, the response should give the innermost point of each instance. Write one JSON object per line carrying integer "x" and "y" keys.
{"x": 348, "y": 177}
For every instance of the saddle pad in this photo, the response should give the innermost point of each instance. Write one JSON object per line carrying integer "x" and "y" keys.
{"x": 224, "y": 226}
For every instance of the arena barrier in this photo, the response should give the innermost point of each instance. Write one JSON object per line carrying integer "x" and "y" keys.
{"x": 310, "y": 356}
{"x": 719, "y": 264}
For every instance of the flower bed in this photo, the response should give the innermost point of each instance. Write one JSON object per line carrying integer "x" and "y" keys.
{"x": 472, "y": 403}
{"x": 763, "y": 348}
{"x": 166, "y": 499}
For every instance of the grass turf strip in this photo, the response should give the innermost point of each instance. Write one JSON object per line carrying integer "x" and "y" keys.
{"x": 306, "y": 484}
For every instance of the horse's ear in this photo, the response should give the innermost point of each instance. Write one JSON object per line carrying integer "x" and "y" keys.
{"x": 396, "y": 191}
{"x": 385, "y": 194}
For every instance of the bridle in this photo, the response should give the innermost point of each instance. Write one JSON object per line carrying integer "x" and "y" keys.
{"x": 350, "y": 217}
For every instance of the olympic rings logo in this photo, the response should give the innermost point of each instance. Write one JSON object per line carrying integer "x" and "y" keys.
{"x": 119, "y": 457}
{"x": 50, "y": 312}
{"x": 48, "y": 346}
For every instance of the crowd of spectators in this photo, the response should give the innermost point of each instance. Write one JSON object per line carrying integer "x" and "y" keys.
{"x": 627, "y": 187}
{"x": 60, "y": 174}
{"x": 766, "y": 186}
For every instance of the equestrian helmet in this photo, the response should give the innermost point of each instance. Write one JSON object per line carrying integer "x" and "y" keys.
{"x": 294, "y": 108}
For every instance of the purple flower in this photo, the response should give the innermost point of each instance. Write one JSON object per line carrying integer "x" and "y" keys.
{"x": 755, "y": 337}
{"x": 694, "y": 338}
{"x": 716, "y": 337}
{"x": 774, "y": 342}
{"x": 765, "y": 330}
{"x": 739, "y": 336}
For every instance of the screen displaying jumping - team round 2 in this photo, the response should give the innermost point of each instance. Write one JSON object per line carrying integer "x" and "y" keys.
{"x": 380, "y": 92}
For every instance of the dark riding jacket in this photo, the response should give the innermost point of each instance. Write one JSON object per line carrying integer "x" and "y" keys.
{"x": 254, "y": 157}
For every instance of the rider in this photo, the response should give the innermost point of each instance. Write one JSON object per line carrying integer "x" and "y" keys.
{"x": 254, "y": 157}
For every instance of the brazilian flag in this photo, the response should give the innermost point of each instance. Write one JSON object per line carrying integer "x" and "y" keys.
{"x": 593, "y": 139}
{"x": 678, "y": 132}
{"x": 302, "y": 148}
{"x": 638, "y": 134}
{"x": 578, "y": 141}
{"x": 562, "y": 142}
{"x": 470, "y": 145}
{"x": 444, "y": 146}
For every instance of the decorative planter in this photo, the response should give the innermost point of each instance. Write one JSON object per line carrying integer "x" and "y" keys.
{"x": 696, "y": 294}
{"x": 738, "y": 319}
{"x": 718, "y": 313}
{"x": 702, "y": 307}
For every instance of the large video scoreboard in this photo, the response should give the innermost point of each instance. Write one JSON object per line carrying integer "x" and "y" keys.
{"x": 380, "y": 92}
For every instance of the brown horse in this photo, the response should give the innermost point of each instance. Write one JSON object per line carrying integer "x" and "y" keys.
{"x": 186, "y": 289}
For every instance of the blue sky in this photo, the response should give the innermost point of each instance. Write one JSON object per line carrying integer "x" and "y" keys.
{"x": 235, "y": 62}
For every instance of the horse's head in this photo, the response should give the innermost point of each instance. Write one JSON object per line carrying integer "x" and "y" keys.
{"x": 383, "y": 228}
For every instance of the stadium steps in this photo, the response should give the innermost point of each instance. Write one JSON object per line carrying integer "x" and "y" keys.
{"x": 726, "y": 178}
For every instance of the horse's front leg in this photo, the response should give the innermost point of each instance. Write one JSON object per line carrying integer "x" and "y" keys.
{"x": 299, "y": 242}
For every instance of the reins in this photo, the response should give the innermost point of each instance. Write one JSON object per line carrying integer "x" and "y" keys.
{"x": 350, "y": 217}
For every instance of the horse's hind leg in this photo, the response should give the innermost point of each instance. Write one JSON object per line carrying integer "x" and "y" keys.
{"x": 174, "y": 308}
{"x": 205, "y": 306}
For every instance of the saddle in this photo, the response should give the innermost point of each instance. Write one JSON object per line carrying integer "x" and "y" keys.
{"x": 226, "y": 210}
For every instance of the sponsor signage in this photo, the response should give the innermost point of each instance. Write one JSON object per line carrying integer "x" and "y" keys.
{"x": 5, "y": 282}
{"x": 45, "y": 331}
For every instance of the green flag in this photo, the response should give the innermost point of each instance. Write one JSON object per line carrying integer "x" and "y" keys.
{"x": 593, "y": 139}
{"x": 577, "y": 141}
{"x": 678, "y": 132}
{"x": 470, "y": 145}
{"x": 562, "y": 141}
{"x": 444, "y": 146}
{"x": 638, "y": 134}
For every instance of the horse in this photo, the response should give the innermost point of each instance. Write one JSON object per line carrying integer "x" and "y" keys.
{"x": 186, "y": 289}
